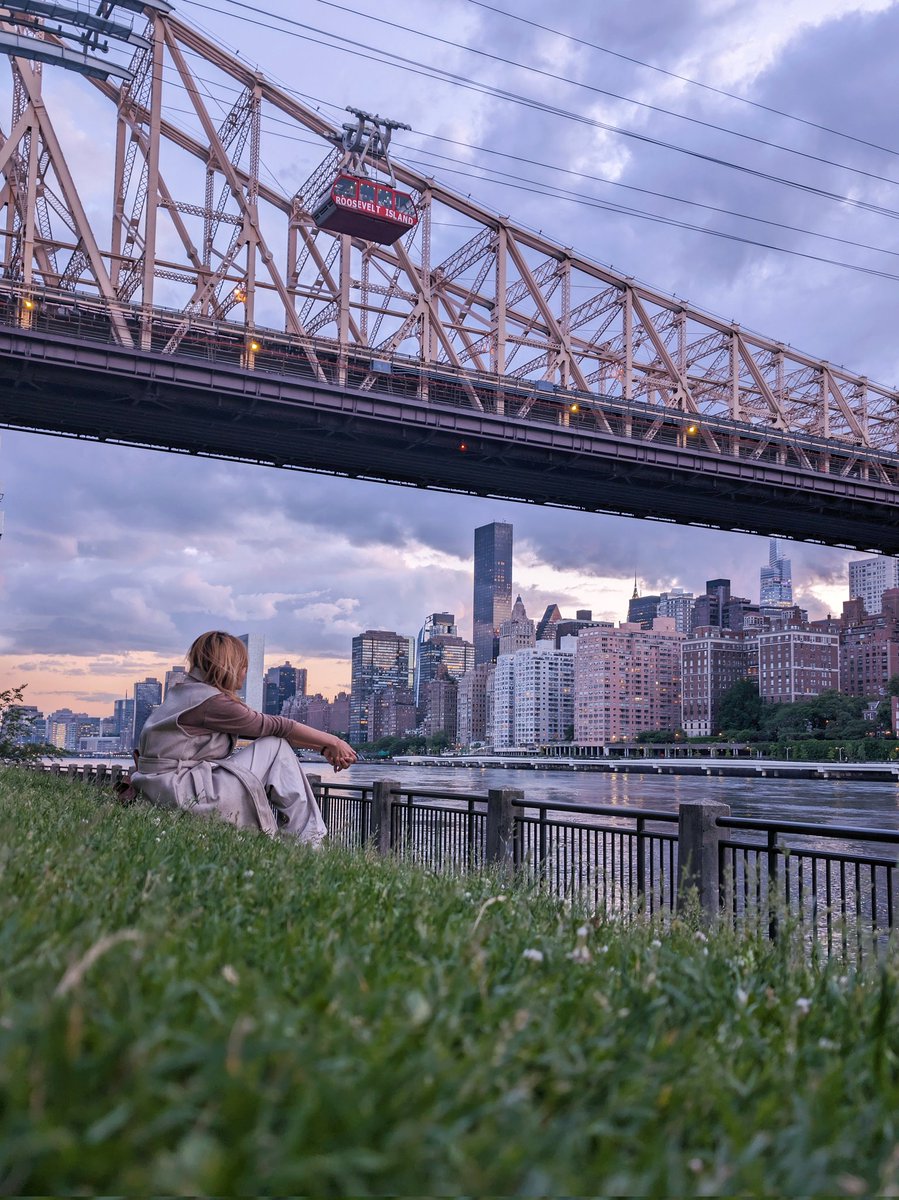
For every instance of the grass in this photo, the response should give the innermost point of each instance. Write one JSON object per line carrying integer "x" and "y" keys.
{"x": 188, "y": 1008}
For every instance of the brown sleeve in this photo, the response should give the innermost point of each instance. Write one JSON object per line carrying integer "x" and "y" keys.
{"x": 224, "y": 714}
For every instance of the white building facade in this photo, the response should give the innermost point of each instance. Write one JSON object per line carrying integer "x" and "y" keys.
{"x": 869, "y": 578}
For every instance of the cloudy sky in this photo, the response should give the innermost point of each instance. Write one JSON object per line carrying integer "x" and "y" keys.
{"x": 114, "y": 559}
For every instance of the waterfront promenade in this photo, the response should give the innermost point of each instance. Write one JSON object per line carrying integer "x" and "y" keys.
{"x": 649, "y": 764}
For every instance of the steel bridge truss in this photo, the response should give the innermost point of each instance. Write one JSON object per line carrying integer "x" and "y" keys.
{"x": 203, "y": 245}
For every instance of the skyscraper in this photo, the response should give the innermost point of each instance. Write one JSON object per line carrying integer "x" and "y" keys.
{"x": 381, "y": 659}
{"x": 869, "y": 578}
{"x": 147, "y": 695}
{"x": 173, "y": 677}
{"x": 642, "y": 610}
{"x": 282, "y": 683}
{"x": 251, "y": 692}
{"x": 775, "y": 580}
{"x": 492, "y": 587}
{"x": 439, "y": 645}
{"x": 517, "y": 633}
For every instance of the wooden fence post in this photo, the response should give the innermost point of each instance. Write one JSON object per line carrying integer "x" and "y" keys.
{"x": 697, "y": 854}
{"x": 501, "y": 823}
{"x": 380, "y": 826}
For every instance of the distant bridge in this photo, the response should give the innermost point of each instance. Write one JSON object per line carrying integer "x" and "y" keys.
{"x": 455, "y": 359}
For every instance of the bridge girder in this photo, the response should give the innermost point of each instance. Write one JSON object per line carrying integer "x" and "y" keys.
{"x": 192, "y": 227}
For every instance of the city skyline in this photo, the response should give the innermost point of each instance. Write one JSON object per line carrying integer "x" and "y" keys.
{"x": 107, "y": 576}
{"x": 315, "y": 670}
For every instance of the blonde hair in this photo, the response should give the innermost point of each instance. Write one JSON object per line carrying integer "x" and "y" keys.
{"x": 220, "y": 659}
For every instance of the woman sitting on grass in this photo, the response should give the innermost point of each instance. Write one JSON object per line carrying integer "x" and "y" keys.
{"x": 185, "y": 757}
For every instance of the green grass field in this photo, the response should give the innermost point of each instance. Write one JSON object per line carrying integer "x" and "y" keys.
{"x": 186, "y": 1008}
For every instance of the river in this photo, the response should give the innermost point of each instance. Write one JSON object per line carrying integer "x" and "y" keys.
{"x": 820, "y": 801}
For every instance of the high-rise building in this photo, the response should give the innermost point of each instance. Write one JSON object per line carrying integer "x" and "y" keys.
{"x": 251, "y": 693}
{"x": 776, "y": 580}
{"x": 380, "y": 659}
{"x": 678, "y": 605}
{"x": 390, "y": 713}
{"x": 543, "y": 695}
{"x": 642, "y": 610}
{"x": 438, "y": 706}
{"x": 869, "y": 648}
{"x": 123, "y": 715}
{"x": 546, "y": 626}
{"x": 797, "y": 664}
{"x": 710, "y": 609}
{"x": 173, "y": 677}
{"x": 492, "y": 587}
{"x": 626, "y": 680}
{"x": 869, "y": 578}
{"x": 439, "y": 645}
{"x": 281, "y": 684}
{"x": 147, "y": 695}
{"x": 712, "y": 661}
{"x": 339, "y": 714}
{"x": 471, "y": 704}
{"x": 501, "y": 704}
{"x": 517, "y": 633}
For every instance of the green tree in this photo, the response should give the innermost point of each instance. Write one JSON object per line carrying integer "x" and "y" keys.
{"x": 15, "y": 728}
{"x": 740, "y": 707}
{"x": 439, "y": 742}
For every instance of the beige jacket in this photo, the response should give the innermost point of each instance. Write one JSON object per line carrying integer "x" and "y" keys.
{"x": 178, "y": 770}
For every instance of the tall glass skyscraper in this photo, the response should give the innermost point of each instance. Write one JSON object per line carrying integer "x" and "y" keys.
{"x": 381, "y": 659}
{"x": 492, "y": 587}
{"x": 776, "y": 580}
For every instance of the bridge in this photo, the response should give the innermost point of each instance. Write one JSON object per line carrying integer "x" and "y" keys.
{"x": 212, "y": 317}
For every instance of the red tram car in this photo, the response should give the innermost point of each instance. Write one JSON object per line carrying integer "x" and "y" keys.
{"x": 365, "y": 208}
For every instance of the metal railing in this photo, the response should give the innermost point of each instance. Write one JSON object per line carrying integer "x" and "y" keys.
{"x": 838, "y": 885}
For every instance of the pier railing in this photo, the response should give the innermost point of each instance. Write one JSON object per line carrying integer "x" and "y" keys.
{"x": 838, "y": 885}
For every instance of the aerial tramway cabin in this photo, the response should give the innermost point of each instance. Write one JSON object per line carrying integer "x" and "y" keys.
{"x": 365, "y": 208}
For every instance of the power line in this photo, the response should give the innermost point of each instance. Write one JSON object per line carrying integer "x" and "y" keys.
{"x": 778, "y": 112}
{"x": 535, "y": 188}
{"x": 499, "y": 58}
{"x": 412, "y": 66}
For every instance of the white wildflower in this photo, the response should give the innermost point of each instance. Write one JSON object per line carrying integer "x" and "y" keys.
{"x": 696, "y": 1165}
{"x": 248, "y": 874}
{"x": 700, "y": 937}
{"x": 742, "y": 997}
{"x": 230, "y": 975}
{"x": 803, "y": 1004}
{"x": 656, "y": 944}
{"x": 533, "y": 955}
{"x": 581, "y": 953}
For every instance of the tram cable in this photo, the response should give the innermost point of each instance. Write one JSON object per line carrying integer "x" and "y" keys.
{"x": 536, "y": 187}
{"x": 576, "y": 198}
{"x": 499, "y": 58}
{"x": 432, "y": 72}
{"x": 708, "y": 87}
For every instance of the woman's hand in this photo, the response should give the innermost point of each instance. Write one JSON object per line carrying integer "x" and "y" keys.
{"x": 338, "y": 753}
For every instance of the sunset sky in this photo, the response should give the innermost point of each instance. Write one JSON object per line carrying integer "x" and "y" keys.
{"x": 114, "y": 559}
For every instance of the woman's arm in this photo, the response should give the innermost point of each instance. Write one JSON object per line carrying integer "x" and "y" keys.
{"x": 336, "y": 751}
{"x": 224, "y": 714}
